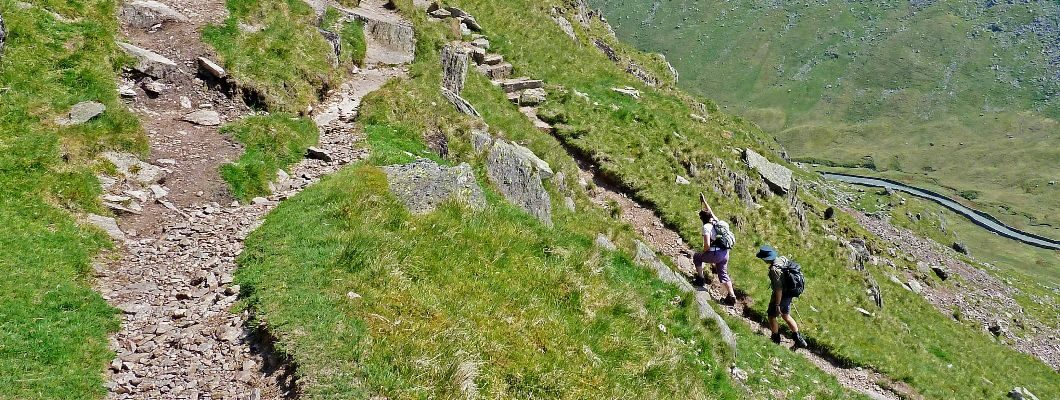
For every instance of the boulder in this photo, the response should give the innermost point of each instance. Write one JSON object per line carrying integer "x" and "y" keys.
{"x": 682, "y": 180}
{"x": 566, "y": 26}
{"x": 454, "y": 67}
{"x": 150, "y": 63}
{"x": 440, "y": 14}
{"x": 130, "y": 167}
{"x": 777, "y": 176}
{"x": 569, "y": 203}
{"x": 315, "y": 153}
{"x": 153, "y": 88}
{"x": 108, "y": 225}
{"x": 1021, "y": 393}
{"x": 520, "y": 84}
{"x": 517, "y": 173}
{"x": 940, "y": 271}
{"x": 481, "y": 43}
{"x": 914, "y": 285}
{"x": 461, "y": 105}
{"x": 424, "y": 184}
{"x": 81, "y": 112}
{"x": 604, "y": 242}
{"x": 203, "y": 118}
{"x": 960, "y": 247}
{"x": 145, "y": 14}
{"x": 628, "y": 91}
{"x": 211, "y": 69}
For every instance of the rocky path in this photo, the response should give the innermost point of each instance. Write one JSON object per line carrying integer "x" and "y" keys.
{"x": 669, "y": 243}
{"x": 173, "y": 280}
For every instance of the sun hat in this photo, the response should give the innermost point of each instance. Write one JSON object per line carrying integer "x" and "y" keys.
{"x": 767, "y": 253}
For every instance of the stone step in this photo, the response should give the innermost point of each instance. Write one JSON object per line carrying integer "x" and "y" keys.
{"x": 493, "y": 59}
{"x": 496, "y": 72}
{"x": 518, "y": 84}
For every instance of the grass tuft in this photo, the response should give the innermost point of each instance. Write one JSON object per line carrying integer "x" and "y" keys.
{"x": 273, "y": 142}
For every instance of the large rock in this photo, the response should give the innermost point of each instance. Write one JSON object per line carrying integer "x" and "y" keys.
{"x": 517, "y": 173}
{"x": 130, "y": 167}
{"x": 1021, "y": 393}
{"x": 461, "y": 105}
{"x": 454, "y": 67}
{"x": 203, "y": 117}
{"x": 777, "y": 176}
{"x": 108, "y": 225}
{"x": 604, "y": 242}
{"x": 150, "y": 63}
{"x": 82, "y": 112}
{"x": 566, "y": 26}
{"x": 145, "y": 14}
{"x": 211, "y": 69}
{"x": 391, "y": 40}
{"x": 424, "y": 184}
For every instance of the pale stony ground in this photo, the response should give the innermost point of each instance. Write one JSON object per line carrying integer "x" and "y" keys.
{"x": 172, "y": 274}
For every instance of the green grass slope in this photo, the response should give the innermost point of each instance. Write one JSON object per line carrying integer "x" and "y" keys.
{"x": 953, "y": 95}
{"x": 53, "y": 326}
{"x": 644, "y": 144}
{"x": 492, "y": 302}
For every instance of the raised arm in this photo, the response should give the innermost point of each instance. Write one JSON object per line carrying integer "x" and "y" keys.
{"x": 706, "y": 206}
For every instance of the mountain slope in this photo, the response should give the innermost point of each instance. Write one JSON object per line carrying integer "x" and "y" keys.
{"x": 953, "y": 95}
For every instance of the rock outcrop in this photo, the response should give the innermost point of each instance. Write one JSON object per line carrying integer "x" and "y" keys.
{"x": 424, "y": 184}
{"x": 454, "y": 66}
{"x": 391, "y": 40}
{"x": 460, "y": 103}
{"x": 3, "y": 35}
{"x": 150, "y": 63}
{"x": 145, "y": 14}
{"x": 81, "y": 112}
{"x": 777, "y": 176}
{"x": 518, "y": 173}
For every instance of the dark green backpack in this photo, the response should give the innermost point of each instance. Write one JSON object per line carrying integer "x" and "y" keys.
{"x": 794, "y": 281}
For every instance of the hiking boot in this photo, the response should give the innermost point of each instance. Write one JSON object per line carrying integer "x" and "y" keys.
{"x": 729, "y": 301}
{"x": 698, "y": 281}
{"x": 776, "y": 338}
{"x": 800, "y": 343}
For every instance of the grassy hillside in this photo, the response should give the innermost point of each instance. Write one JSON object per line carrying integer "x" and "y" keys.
{"x": 420, "y": 293}
{"x": 956, "y": 95}
{"x": 53, "y": 326}
{"x": 490, "y": 302}
{"x": 644, "y": 144}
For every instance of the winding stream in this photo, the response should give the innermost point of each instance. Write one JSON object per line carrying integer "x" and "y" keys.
{"x": 979, "y": 218}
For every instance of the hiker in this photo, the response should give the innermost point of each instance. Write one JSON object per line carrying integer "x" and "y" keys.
{"x": 717, "y": 241}
{"x": 787, "y": 281}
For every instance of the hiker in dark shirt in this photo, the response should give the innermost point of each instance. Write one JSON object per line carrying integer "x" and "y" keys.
{"x": 785, "y": 278}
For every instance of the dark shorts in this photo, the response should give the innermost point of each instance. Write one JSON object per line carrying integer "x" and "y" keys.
{"x": 785, "y": 307}
{"x": 719, "y": 259}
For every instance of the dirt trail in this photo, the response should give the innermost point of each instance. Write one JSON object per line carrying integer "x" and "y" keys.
{"x": 173, "y": 281}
